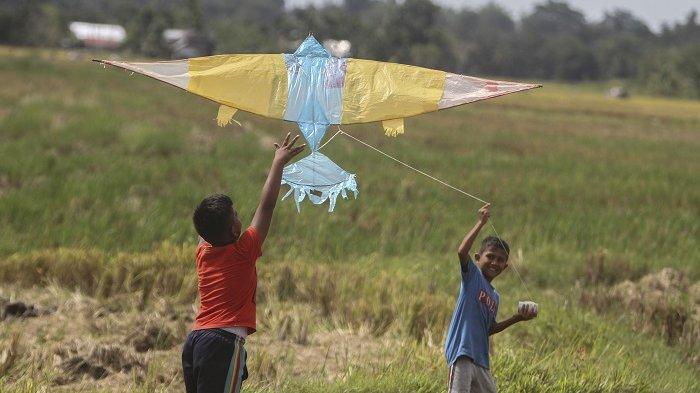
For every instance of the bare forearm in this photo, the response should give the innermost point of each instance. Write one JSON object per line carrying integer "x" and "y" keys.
{"x": 503, "y": 325}
{"x": 468, "y": 240}
{"x": 271, "y": 188}
{"x": 268, "y": 200}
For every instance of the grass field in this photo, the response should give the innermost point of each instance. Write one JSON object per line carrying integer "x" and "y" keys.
{"x": 100, "y": 172}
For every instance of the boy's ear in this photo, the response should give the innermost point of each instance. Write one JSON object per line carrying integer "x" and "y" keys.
{"x": 476, "y": 256}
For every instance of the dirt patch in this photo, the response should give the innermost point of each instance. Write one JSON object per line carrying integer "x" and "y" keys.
{"x": 154, "y": 336}
{"x": 663, "y": 303}
{"x": 19, "y": 309}
{"x": 7, "y": 184}
{"x": 79, "y": 360}
{"x": 75, "y": 367}
{"x": 22, "y": 310}
{"x": 116, "y": 357}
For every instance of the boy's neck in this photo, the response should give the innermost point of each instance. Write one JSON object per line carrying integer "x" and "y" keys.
{"x": 225, "y": 242}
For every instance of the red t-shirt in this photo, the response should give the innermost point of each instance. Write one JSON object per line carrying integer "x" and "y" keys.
{"x": 227, "y": 280}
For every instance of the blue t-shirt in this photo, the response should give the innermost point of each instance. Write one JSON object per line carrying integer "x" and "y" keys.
{"x": 474, "y": 315}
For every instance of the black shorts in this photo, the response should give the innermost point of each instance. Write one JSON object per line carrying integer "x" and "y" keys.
{"x": 213, "y": 360}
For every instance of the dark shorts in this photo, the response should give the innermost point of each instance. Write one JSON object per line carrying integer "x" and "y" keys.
{"x": 213, "y": 360}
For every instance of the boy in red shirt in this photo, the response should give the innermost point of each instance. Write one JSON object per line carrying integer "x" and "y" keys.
{"x": 213, "y": 357}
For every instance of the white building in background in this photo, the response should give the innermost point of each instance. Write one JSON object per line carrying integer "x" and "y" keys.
{"x": 97, "y": 35}
{"x": 184, "y": 43}
{"x": 338, "y": 48}
{"x": 173, "y": 35}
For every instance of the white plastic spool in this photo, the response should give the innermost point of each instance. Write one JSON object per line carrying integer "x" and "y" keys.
{"x": 527, "y": 305}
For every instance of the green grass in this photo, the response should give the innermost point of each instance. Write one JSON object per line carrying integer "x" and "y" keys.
{"x": 100, "y": 172}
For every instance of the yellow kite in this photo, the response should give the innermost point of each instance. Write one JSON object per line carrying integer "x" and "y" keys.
{"x": 315, "y": 90}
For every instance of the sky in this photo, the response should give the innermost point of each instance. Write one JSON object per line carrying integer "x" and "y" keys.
{"x": 653, "y": 12}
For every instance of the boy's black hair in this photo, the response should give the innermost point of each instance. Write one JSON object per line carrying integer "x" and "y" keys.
{"x": 496, "y": 242}
{"x": 212, "y": 218}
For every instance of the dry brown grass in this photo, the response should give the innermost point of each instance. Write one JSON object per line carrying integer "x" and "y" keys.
{"x": 602, "y": 268}
{"x": 663, "y": 303}
{"x": 87, "y": 344}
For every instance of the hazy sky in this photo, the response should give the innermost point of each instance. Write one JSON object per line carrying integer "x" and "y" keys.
{"x": 653, "y": 12}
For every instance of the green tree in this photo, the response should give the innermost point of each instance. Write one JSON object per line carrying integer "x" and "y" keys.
{"x": 555, "y": 18}
{"x": 31, "y": 22}
{"x": 623, "y": 22}
{"x": 491, "y": 50}
{"x": 673, "y": 72}
{"x": 621, "y": 41}
{"x": 556, "y": 43}
{"x": 412, "y": 35}
{"x": 619, "y": 56}
{"x": 145, "y": 32}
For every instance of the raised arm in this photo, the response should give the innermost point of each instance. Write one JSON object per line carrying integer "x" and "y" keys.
{"x": 263, "y": 214}
{"x": 468, "y": 241}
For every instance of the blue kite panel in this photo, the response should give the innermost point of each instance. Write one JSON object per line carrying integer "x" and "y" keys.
{"x": 315, "y": 90}
{"x": 314, "y": 101}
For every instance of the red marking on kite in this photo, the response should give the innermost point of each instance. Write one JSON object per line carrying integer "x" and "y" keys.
{"x": 492, "y": 87}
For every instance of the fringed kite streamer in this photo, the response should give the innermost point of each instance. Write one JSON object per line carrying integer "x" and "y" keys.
{"x": 326, "y": 183}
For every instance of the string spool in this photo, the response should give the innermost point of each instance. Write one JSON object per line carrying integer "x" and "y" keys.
{"x": 525, "y": 307}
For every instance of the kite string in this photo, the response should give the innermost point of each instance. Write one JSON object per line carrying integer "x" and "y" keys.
{"x": 493, "y": 228}
{"x": 330, "y": 139}
{"x": 443, "y": 183}
{"x": 413, "y": 168}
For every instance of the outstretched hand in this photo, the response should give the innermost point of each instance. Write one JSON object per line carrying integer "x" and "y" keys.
{"x": 485, "y": 213}
{"x": 286, "y": 151}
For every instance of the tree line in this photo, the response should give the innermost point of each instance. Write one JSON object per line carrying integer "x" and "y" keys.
{"x": 553, "y": 41}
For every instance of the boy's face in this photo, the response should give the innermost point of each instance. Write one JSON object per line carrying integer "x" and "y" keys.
{"x": 492, "y": 261}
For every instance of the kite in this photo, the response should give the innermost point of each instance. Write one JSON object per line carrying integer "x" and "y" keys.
{"x": 316, "y": 90}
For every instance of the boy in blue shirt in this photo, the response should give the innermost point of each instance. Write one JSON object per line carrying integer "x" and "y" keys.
{"x": 474, "y": 318}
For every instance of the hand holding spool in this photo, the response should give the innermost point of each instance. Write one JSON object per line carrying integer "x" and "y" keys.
{"x": 527, "y": 310}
